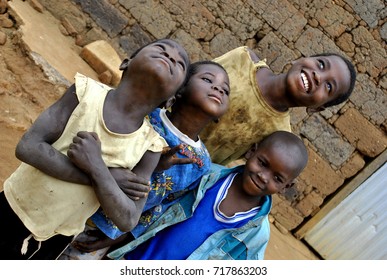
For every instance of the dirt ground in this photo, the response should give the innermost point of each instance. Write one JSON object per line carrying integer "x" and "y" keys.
{"x": 24, "y": 93}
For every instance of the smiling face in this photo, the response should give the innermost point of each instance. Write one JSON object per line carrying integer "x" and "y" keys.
{"x": 314, "y": 81}
{"x": 208, "y": 89}
{"x": 273, "y": 165}
{"x": 162, "y": 64}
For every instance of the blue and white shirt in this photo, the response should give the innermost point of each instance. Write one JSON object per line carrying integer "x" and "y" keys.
{"x": 245, "y": 241}
{"x": 180, "y": 240}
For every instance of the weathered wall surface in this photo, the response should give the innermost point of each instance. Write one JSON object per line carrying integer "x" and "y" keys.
{"x": 341, "y": 140}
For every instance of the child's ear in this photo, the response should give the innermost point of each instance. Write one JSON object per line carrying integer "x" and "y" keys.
{"x": 124, "y": 64}
{"x": 315, "y": 110}
{"x": 251, "y": 151}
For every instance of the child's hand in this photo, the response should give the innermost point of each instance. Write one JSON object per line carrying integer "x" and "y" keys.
{"x": 85, "y": 151}
{"x": 100, "y": 241}
{"x": 169, "y": 158}
{"x": 133, "y": 186}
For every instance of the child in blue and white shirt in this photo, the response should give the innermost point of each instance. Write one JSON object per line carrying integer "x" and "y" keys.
{"x": 226, "y": 217}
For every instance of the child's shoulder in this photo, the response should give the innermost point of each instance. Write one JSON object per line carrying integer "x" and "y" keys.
{"x": 87, "y": 86}
{"x": 233, "y": 53}
{"x": 82, "y": 80}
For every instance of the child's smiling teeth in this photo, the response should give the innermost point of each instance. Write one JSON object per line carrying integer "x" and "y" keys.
{"x": 305, "y": 81}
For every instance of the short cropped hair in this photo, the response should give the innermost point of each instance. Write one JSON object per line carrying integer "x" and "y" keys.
{"x": 352, "y": 71}
{"x": 185, "y": 57}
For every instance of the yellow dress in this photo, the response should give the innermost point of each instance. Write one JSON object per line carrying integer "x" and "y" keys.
{"x": 249, "y": 118}
{"x": 48, "y": 206}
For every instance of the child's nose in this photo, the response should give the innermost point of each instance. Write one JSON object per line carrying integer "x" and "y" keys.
{"x": 170, "y": 56}
{"x": 262, "y": 177}
{"x": 316, "y": 78}
{"x": 217, "y": 88}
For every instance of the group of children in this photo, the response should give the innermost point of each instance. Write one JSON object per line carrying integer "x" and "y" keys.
{"x": 133, "y": 160}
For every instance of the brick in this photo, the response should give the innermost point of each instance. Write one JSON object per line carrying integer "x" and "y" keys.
{"x": 276, "y": 53}
{"x": 326, "y": 139}
{"x": 291, "y": 194}
{"x": 190, "y": 44}
{"x": 280, "y": 11}
{"x": 293, "y": 26}
{"x": 313, "y": 41}
{"x": 195, "y": 18}
{"x": 105, "y": 15}
{"x": 159, "y": 23}
{"x": 106, "y": 77}
{"x": 310, "y": 203}
{"x": 277, "y": 202}
{"x": 101, "y": 56}
{"x": 288, "y": 217}
{"x": 280, "y": 227}
{"x": 368, "y": 10}
{"x": 135, "y": 39}
{"x": 370, "y": 100}
{"x": 243, "y": 23}
{"x": 369, "y": 140}
{"x": 345, "y": 43}
{"x": 319, "y": 174}
{"x": 36, "y": 5}
{"x": 334, "y": 20}
{"x": 223, "y": 42}
{"x": 5, "y": 21}
{"x": 3, "y": 38}
{"x": 354, "y": 165}
{"x": 69, "y": 27}
{"x": 297, "y": 115}
{"x": 3, "y": 6}
{"x": 374, "y": 52}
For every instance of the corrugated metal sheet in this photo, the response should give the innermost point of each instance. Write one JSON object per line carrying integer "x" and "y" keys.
{"x": 357, "y": 228}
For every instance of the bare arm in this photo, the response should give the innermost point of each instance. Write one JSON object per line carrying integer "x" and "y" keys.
{"x": 121, "y": 209}
{"x": 135, "y": 186}
{"x": 131, "y": 184}
{"x": 35, "y": 146}
{"x": 85, "y": 152}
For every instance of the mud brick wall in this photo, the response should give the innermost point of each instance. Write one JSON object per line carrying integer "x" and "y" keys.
{"x": 341, "y": 140}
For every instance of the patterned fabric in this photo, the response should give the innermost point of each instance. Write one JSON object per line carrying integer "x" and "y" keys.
{"x": 167, "y": 186}
{"x": 247, "y": 242}
{"x": 249, "y": 118}
{"x": 48, "y": 206}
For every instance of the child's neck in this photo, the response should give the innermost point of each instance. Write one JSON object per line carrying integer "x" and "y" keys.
{"x": 237, "y": 200}
{"x": 121, "y": 116}
{"x": 185, "y": 124}
{"x": 273, "y": 89}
